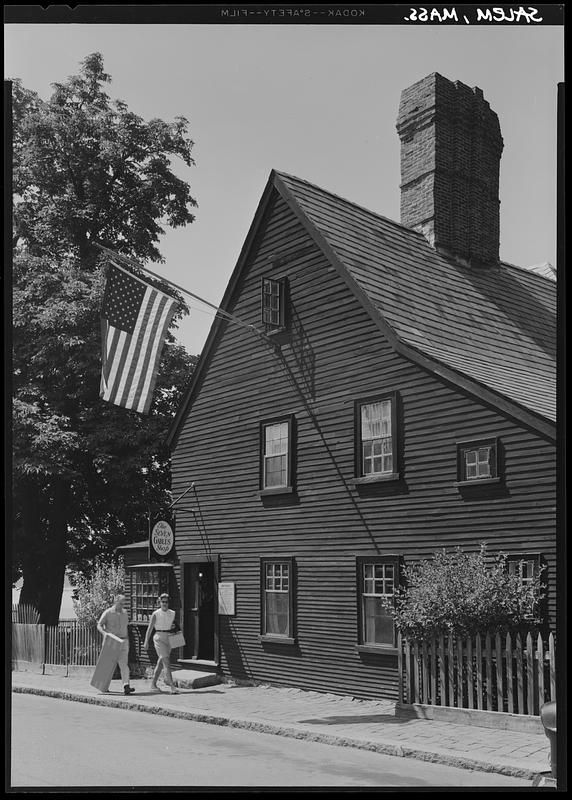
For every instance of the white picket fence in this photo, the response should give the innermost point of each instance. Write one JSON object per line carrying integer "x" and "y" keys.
{"x": 491, "y": 672}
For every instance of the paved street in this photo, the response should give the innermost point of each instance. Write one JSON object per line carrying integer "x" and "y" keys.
{"x": 61, "y": 743}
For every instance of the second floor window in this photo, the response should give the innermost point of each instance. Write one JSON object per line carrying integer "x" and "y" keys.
{"x": 276, "y": 452}
{"x": 376, "y": 437}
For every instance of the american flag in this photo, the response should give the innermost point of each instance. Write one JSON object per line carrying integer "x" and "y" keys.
{"x": 135, "y": 317}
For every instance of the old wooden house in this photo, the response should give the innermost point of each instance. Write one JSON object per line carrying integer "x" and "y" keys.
{"x": 401, "y": 399}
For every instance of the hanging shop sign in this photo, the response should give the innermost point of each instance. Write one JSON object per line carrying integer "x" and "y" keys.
{"x": 161, "y": 537}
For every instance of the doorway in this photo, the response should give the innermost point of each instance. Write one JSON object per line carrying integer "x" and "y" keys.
{"x": 200, "y": 611}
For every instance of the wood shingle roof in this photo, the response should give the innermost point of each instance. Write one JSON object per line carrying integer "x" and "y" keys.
{"x": 496, "y": 325}
{"x": 490, "y": 330}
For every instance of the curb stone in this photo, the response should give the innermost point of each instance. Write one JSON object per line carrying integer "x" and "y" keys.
{"x": 385, "y": 748}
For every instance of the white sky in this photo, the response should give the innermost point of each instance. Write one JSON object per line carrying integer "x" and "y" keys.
{"x": 319, "y": 103}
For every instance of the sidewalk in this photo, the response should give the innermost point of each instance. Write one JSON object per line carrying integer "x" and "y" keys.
{"x": 326, "y": 718}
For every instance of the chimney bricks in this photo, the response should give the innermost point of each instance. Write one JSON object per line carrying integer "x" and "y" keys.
{"x": 451, "y": 146}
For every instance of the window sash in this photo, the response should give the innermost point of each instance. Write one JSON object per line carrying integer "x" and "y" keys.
{"x": 377, "y": 581}
{"x": 478, "y": 463}
{"x": 272, "y": 302}
{"x": 526, "y": 568}
{"x": 277, "y": 599}
{"x": 376, "y": 437}
{"x": 276, "y": 454}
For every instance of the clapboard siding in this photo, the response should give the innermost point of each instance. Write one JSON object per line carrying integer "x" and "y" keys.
{"x": 336, "y": 356}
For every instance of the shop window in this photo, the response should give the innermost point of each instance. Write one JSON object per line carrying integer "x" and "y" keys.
{"x": 377, "y": 580}
{"x": 147, "y": 584}
{"x": 277, "y": 599}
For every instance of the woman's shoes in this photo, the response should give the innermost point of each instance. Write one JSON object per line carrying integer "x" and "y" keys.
{"x": 155, "y": 688}
{"x": 174, "y": 690}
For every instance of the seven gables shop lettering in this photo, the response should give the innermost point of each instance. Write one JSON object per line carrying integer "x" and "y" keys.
{"x": 161, "y": 537}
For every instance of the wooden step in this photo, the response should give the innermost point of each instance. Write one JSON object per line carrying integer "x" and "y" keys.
{"x": 193, "y": 679}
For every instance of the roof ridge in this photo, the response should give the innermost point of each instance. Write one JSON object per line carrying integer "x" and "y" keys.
{"x": 349, "y": 202}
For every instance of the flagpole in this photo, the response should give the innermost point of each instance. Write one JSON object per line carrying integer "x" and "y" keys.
{"x": 225, "y": 314}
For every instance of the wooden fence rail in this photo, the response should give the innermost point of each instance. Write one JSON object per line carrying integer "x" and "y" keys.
{"x": 72, "y": 643}
{"x": 490, "y": 672}
{"x": 68, "y": 643}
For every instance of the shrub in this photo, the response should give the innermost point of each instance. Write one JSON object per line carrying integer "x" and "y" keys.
{"x": 463, "y": 594}
{"x": 95, "y": 593}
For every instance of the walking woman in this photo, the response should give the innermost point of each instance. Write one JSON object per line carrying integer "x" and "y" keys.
{"x": 162, "y": 622}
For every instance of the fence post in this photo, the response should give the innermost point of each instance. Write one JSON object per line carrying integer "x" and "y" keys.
{"x": 498, "y": 664}
{"x": 433, "y": 646}
{"x": 509, "y": 673}
{"x": 519, "y": 680}
{"x": 540, "y": 670}
{"x": 529, "y": 675}
{"x": 460, "y": 703}
{"x": 408, "y": 670}
{"x": 552, "y": 662}
{"x": 442, "y": 675}
{"x": 425, "y": 673}
{"x": 399, "y": 667}
{"x": 470, "y": 674}
{"x": 479, "y": 655}
{"x": 416, "y": 670}
{"x": 489, "y": 668}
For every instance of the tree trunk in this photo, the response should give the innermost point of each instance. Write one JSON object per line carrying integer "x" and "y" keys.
{"x": 44, "y": 554}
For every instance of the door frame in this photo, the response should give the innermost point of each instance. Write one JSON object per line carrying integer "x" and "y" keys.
{"x": 215, "y": 561}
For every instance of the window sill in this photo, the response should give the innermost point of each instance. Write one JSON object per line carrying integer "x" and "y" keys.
{"x": 276, "y": 490}
{"x": 385, "y": 476}
{"x": 477, "y": 482}
{"x": 268, "y": 637}
{"x": 377, "y": 649}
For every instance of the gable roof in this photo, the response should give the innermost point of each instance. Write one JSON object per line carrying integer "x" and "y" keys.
{"x": 490, "y": 330}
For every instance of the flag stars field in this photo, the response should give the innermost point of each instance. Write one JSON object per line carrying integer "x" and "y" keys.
{"x": 135, "y": 318}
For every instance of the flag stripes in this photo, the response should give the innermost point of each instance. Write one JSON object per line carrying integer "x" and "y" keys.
{"x": 135, "y": 321}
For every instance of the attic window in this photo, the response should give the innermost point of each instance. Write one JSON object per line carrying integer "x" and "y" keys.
{"x": 273, "y": 304}
{"x": 477, "y": 462}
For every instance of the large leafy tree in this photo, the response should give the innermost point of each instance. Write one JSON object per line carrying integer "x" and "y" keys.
{"x": 86, "y": 170}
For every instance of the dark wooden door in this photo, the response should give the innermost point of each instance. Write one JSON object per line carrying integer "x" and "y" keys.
{"x": 199, "y": 611}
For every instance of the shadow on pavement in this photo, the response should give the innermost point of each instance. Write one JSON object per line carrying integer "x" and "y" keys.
{"x": 355, "y": 719}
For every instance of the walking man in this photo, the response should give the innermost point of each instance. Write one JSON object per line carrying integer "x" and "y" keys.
{"x": 114, "y": 621}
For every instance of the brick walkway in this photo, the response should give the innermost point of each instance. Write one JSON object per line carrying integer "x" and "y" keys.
{"x": 327, "y": 718}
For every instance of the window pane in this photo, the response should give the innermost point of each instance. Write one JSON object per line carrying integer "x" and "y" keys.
{"x": 375, "y": 419}
{"x": 484, "y": 470}
{"x": 377, "y": 622}
{"x": 276, "y": 438}
{"x": 276, "y": 471}
{"x": 277, "y": 615}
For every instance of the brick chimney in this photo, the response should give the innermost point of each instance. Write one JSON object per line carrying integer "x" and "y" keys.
{"x": 451, "y": 147}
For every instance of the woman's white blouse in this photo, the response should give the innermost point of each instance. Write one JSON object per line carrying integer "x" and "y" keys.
{"x": 164, "y": 619}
